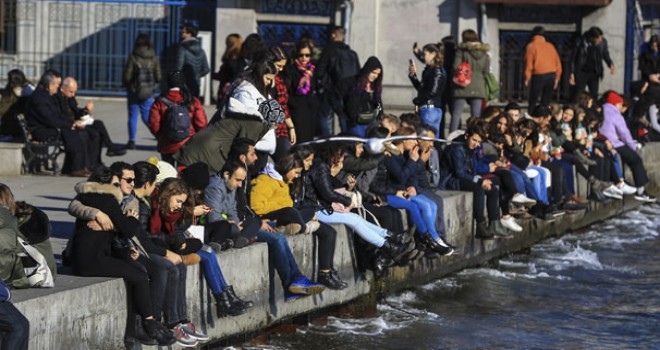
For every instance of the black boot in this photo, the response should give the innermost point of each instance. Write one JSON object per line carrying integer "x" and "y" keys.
{"x": 327, "y": 279}
{"x": 246, "y": 304}
{"x": 139, "y": 335}
{"x": 396, "y": 250}
{"x": 335, "y": 276}
{"x": 157, "y": 331}
{"x": 483, "y": 232}
{"x": 437, "y": 247}
{"x": 225, "y": 307}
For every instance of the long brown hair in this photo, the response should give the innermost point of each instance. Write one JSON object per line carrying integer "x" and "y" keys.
{"x": 168, "y": 188}
{"x": 233, "y": 44}
{"x": 7, "y": 198}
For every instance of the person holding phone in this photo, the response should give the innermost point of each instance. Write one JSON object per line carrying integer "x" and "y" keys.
{"x": 431, "y": 87}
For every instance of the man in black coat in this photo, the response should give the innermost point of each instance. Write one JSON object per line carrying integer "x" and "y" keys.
{"x": 586, "y": 66}
{"x": 47, "y": 122}
{"x": 335, "y": 72}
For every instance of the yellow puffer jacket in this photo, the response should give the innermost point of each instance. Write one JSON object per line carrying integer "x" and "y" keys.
{"x": 269, "y": 194}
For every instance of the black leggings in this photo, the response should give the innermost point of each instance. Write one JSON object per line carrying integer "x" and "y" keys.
{"x": 491, "y": 200}
{"x": 287, "y": 216}
{"x": 504, "y": 180}
{"x": 327, "y": 236}
{"x": 558, "y": 181}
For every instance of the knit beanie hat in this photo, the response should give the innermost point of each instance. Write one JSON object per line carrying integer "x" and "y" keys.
{"x": 196, "y": 176}
{"x": 165, "y": 169}
{"x": 272, "y": 112}
{"x": 613, "y": 98}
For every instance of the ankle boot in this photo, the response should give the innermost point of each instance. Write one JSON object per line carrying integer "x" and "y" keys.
{"x": 483, "y": 231}
{"x": 245, "y": 304}
{"x": 435, "y": 246}
{"x": 224, "y": 306}
{"x": 139, "y": 335}
{"x": 157, "y": 331}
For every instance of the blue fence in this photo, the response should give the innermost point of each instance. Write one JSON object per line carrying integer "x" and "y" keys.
{"x": 87, "y": 39}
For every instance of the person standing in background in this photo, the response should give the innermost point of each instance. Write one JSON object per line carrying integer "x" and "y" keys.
{"x": 191, "y": 59}
{"x": 586, "y": 62}
{"x": 542, "y": 68}
{"x": 141, "y": 74}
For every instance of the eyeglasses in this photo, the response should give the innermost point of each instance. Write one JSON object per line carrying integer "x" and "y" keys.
{"x": 128, "y": 179}
{"x": 304, "y": 55}
{"x": 116, "y": 184}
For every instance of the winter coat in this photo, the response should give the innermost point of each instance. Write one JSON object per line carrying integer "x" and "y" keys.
{"x": 223, "y": 201}
{"x": 319, "y": 191}
{"x": 649, "y": 63}
{"x": 302, "y": 108}
{"x": 476, "y": 54}
{"x": 211, "y": 145}
{"x": 432, "y": 86}
{"x": 586, "y": 58}
{"x": 541, "y": 57}
{"x": 43, "y": 112}
{"x": 396, "y": 173}
{"x": 92, "y": 248}
{"x": 11, "y": 267}
{"x": 145, "y": 57}
{"x": 269, "y": 194}
{"x": 191, "y": 60}
{"x": 198, "y": 121}
{"x": 457, "y": 163}
{"x": 614, "y": 128}
{"x": 336, "y": 71}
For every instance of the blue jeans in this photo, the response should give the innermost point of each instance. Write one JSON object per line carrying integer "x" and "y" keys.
{"x": 523, "y": 183}
{"x": 617, "y": 165}
{"x": 14, "y": 328}
{"x": 539, "y": 184}
{"x": 174, "y": 304}
{"x": 373, "y": 234}
{"x": 422, "y": 212}
{"x": 326, "y": 117}
{"x": 431, "y": 116}
{"x": 211, "y": 270}
{"x": 280, "y": 257}
{"x": 568, "y": 175}
{"x": 359, "y": 130}
{"x": 439, "y": 203}
{"x": 136, "y": 106}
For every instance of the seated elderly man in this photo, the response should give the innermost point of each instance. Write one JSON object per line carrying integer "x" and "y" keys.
{"x": 98, "y": 134}
{"x": 47, "y": 122}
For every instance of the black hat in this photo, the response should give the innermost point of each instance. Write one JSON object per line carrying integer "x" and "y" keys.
{"x": 272, "y": 112}
{"x": 540, "y": 111}
{"x": 512, "y": 106}
{"x": 196, "y": 176}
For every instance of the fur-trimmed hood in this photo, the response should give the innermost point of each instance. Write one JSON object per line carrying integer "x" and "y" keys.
{"x": 95, "y": 187}
{"x": 475, "y": 49}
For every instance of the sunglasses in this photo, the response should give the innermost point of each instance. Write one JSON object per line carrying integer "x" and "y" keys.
{"x": 128, "y": 179}
{"x": 305, "y": 55}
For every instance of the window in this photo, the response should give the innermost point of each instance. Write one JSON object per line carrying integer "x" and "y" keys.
{"x": 8, "y": 26}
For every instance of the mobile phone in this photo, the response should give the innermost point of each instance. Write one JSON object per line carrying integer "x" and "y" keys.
{"x": 410, "y": 61}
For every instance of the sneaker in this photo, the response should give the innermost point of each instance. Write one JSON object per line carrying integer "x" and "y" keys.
{"x": 192, "y": 331}
{"x": 130, "y": 145}
{"x": 613, "y": 192}
{"x": 311, "y": 226}
{"x": 627, "y": 189}
{"x": 511, "y": 224}
{"x": 289, "y": 297}
{"x": 645, "y": 197}
{"x": 182, "y": 338}
{"x": 573, "y": 205}
{"x": 303, "y": 285}
{"x": 523, "y": 200}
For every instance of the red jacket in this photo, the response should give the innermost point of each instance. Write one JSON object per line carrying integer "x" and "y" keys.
{"x": 198, "y": 121}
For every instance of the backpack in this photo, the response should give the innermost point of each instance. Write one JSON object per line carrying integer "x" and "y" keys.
{"x": 463, "y": 73}
{"x": 144, "y": 83}
{"x": 35, "y": 266}
{"x": 177, "y": 121}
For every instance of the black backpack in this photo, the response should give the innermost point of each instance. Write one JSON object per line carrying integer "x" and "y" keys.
{"x": 177, "y": 121}
{"x": 144, "y": 83}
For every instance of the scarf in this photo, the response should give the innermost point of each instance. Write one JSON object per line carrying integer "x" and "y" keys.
{"x": 305, "y": 83}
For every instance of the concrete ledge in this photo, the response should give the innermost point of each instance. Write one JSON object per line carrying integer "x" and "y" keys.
{"x": 11, "y": 158}
{"x": 90, "y": 313}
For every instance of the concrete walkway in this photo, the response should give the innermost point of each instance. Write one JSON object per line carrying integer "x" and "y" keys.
{"x": 53, "y": 193}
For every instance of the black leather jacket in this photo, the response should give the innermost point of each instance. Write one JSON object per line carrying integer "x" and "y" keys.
{"x": 319, "y": 191}
{"x": 430, "y": 89}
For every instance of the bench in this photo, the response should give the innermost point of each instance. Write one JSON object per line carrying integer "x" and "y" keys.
{"x": 39, "y": 154}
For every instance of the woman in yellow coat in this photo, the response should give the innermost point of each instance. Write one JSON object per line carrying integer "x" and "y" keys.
{"x": 270, "y": 197}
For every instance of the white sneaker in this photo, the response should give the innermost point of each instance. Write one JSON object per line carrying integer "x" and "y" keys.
{"x": 645, "y": 197}
{"x": 612, "y": 192}
{"x": 627, "y": 189}
{"x": 523, "y": 200}
{"x": 616, "y": 189}
{"x": 511, "y": 224}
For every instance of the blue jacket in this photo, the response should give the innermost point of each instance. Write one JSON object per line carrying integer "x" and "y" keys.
{"x": 223, "y": 201}
{"x": 457, "y": 163}
{"x": 481, "y": 161}
{"x": 5, "y": 294}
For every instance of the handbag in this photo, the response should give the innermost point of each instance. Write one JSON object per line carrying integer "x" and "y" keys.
{"x": 492, "y": 87}
{"x": 368, "y": 117}
{"x": 121, "y": 248}
{"x": 356, "y": 200}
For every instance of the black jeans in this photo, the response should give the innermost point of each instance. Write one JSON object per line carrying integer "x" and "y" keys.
{"x": 327, "y": 236}
{"x": 559, "y": 188}
{"x": 173, "y": 294}
{"x": 287, "y": 216}
{"x": 14, "y": 328}
{"x": 504, "y": 180}
{"x": 541, "y": 85}
{"x": 587, "y": 79}
{"x": 492, "y": 198}
{"x": 630, "y": 158}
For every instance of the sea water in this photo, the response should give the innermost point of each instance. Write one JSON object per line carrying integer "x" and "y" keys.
{"x": 596, "y": 289}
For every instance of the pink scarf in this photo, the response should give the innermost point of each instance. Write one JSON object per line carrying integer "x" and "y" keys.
{"x": 305, "y": 83}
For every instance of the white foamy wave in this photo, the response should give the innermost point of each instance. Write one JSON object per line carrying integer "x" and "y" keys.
{"x": 405, "y": 312}
{"x": 510, "y": 275}
{"x": 368, "y": 326}
{"x": 576, "y": 257}
{"x": 445, "y": 283}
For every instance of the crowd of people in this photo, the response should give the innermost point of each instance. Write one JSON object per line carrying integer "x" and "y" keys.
{"x": 266, "y": 166}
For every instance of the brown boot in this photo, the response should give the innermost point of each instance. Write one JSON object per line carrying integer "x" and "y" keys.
{"x": 191, "y": 259}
